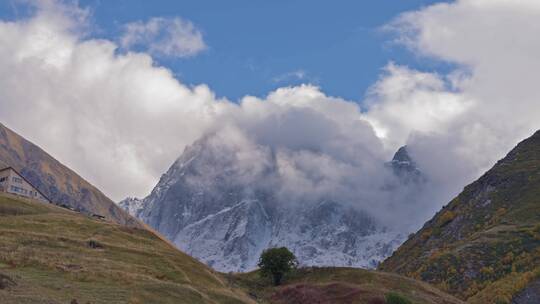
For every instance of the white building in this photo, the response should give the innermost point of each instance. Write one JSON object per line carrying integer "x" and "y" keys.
{"x": 12, "y": 182}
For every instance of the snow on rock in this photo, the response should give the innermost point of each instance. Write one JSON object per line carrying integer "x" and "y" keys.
{"x": 132, "y": 205}
{"x": 207, "y": 213}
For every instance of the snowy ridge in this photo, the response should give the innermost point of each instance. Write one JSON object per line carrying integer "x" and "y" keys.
{"x": 202, "y": 208}
{"x": 132, "y": 205}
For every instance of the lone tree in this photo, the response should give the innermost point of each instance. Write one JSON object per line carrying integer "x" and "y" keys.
{"x": 276, "y": 262}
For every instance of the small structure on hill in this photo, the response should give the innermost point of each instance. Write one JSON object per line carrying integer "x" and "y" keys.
{"x": 98, "y": 216}
{"x": 13, "y": 182}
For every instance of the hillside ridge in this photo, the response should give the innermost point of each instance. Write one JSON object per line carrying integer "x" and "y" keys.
{"x": 54, "y": 255}
{"x": 484, "y": 246}
{"x": 58, "y": 182}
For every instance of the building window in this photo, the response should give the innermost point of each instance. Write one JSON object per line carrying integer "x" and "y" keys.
{"x": 19, "y": 190}
{"x": 17, "y": 180}
{"x": 3, "y": 179}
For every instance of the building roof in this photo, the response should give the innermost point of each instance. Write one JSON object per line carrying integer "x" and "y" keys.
{"x": 11, "y": 168}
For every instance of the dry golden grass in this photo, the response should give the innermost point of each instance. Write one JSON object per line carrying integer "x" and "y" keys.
{"x": 55, "y": 256}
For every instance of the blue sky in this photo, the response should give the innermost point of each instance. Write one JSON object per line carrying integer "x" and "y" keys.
{"x": 254, "y": 47}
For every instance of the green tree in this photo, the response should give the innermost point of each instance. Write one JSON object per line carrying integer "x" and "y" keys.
{"x": 276, "y": 262}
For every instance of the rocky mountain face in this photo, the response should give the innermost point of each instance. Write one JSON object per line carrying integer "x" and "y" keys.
{"x": 208, "y": 208}
{"x": 484, "y": 246}
{"x": 406, "y": 168}
{"x": 60, "y": 184}
{"x": 131, "y": 205}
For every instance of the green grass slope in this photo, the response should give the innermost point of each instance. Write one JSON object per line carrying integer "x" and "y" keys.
{"x": 53, "y": 255}
{"x": 484, "y": 246}
{"x": 339, "y": 286}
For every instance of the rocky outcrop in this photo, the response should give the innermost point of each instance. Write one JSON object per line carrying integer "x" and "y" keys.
{"x": 529, "y": 295}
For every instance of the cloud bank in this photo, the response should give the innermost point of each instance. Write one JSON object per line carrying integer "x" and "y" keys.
{"x": 120, "y": 120}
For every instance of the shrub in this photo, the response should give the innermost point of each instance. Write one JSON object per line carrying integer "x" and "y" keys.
{"x": 446, "y": 218}
{"x": 395, "y": 298}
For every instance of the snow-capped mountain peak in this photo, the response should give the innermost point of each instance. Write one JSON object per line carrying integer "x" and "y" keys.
{"x": 217, "y": 210}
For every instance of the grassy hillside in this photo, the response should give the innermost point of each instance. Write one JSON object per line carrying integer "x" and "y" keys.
{"x": 339, "y": 286}
{"x": 53, "y": 255}
{"x": 56, "y": 181}
{"x": 484, "y": 246}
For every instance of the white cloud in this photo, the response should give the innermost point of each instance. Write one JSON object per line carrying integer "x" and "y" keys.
{"x": 172, "y": 37}
{"x": 120, "y": 120}
{"x": 405, "y": 101}
{"x": 116, "y": 119}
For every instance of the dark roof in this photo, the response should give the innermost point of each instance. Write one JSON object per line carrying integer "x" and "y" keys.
{"x": 11, "y": 168}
